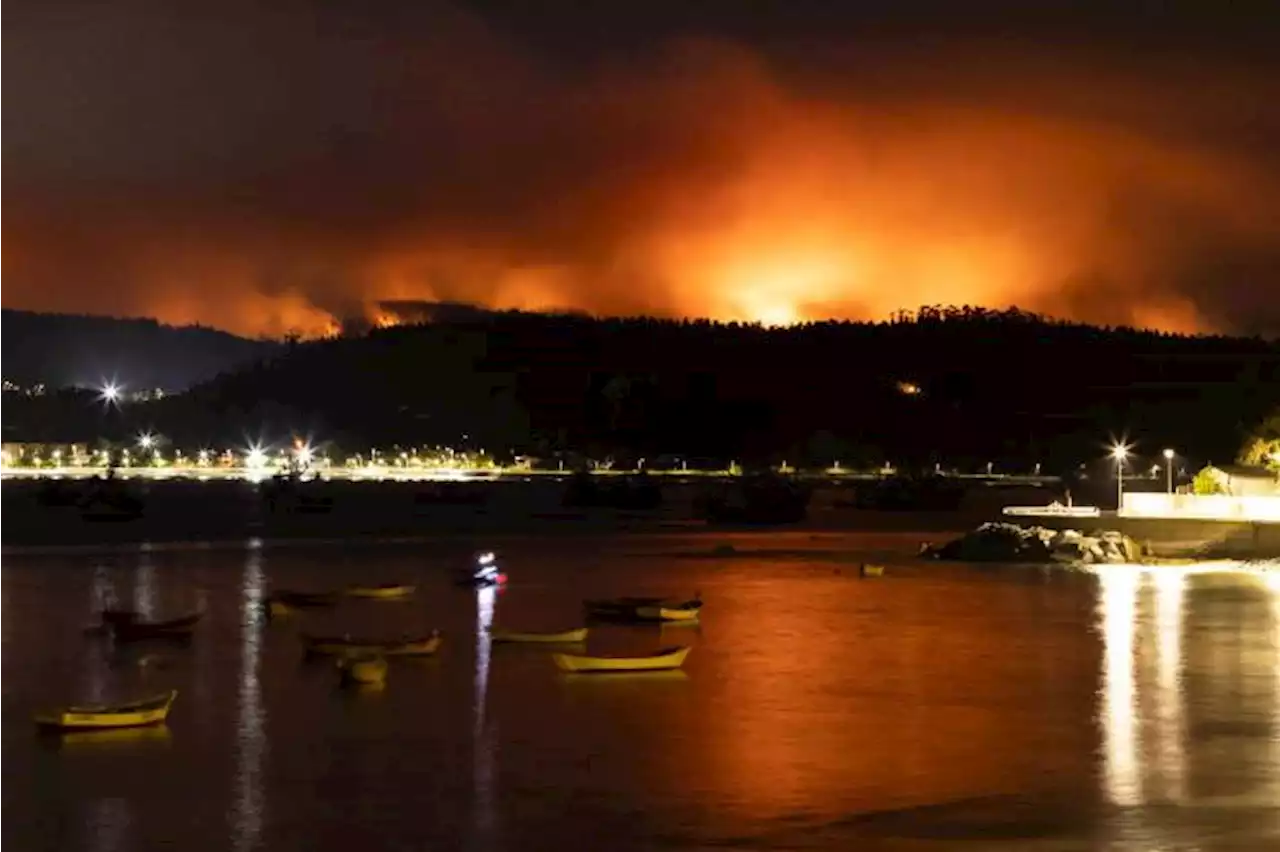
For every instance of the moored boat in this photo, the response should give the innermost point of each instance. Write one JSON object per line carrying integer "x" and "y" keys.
{"x": 363, "y": 671}
{"x": 118, "y": 616}
{"x": 173, "y": 628}
{"x": 630, "y": 610}
{"x": 148, "y": 711}
{"x": 667, "y": 658}
{"x": 422, "y": 646}
{"x": 687, "y": 611}
{"x": 617, "y": 609}
{"x": 276, "y": 608}
{"x": 383, "y": 591}
{"x": 564, "y": 637}
{"x": 304, "y": 599}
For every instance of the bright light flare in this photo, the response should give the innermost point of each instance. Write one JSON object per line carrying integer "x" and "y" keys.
{"x": 110, "y": 393}
{"x": 1120, "y": 452}
{"x": 255, "y": 458}
{"x": 146, "y": 440}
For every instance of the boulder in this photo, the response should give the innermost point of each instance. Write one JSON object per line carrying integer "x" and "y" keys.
{"x": 1003, "y": 542}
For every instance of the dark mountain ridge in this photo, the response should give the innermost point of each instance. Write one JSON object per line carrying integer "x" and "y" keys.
{"x": 950, "y": 385}
{"x": 991, "y": 385}
{"x": 59, "y": 350}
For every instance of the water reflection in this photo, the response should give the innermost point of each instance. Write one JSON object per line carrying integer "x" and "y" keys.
{"x": 1117, "y": 601}
{"x": 247, "y": 808}
{"x": 483, "y": 744}
{"x": 144, "y": 587}
{"x": 102, "y": 595}
{"x": 108, "y": 825}
{"x": 1170, "y": 734}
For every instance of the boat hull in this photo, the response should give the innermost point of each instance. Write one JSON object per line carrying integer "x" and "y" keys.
{"x": 381, "y": 593}
{"x": 672, "y": 658}
{"x": 304, "y": 599}
{"x": 151, "y": 711}
{"x": 172, "y": 629}
{"x": 565, "y": 637}
{"x": 663, "y": 613}
{"x": 342, "y": 647}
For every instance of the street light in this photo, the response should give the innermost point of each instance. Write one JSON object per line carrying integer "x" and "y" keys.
{"x": 1119, "y": 452}
{"x": 1168, "y": 466}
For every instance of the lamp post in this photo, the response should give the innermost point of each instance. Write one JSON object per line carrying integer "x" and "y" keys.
{"x": 1168, "y": 468}
{"x": 1119, "y": 452}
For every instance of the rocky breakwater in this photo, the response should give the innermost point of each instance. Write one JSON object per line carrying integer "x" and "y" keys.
{"x": 998, "y": 542}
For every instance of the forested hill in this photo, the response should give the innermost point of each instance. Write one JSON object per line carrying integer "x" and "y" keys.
{"x": 947, "y": 384}
{"x": 67, "y": 349}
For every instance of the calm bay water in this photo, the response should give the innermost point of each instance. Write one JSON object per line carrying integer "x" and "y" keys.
{"x": 937, "y": 706}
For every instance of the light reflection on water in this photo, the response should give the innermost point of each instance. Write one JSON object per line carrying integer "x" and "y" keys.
{"x": 102, "y": 595}
{"x": 144, "y": 587}
{"x": 108, "y": 825}
{"x": 484, "y": 736}
{"x": 1117, "y": 602}
{"x": 817, "y": 712}
{"x": 251, "y": 718}
{"x": 1170, "y": 731}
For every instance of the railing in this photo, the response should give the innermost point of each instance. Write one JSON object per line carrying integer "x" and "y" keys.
{"x": 1054, "y": 510}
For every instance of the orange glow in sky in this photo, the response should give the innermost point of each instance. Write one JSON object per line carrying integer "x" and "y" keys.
{"x": 705, "y": 181}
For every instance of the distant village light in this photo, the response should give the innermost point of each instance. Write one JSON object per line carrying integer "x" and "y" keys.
{"x": 110, "y": 393}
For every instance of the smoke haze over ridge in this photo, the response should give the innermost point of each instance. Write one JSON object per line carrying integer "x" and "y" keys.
{"x": 261, "y": 167}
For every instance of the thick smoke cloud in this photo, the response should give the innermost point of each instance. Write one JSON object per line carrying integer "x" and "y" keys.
{"x": 262, "y": 167}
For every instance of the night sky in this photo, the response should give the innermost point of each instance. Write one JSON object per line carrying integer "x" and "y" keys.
{"x": 276, "y": 165}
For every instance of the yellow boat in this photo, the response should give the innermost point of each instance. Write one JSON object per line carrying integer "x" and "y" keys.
{"x": 364, "y": 671}
{"x": 148, "y": 711}
{"x": 565, "y": 637}
{"x": 345, "y": 646}
{"x": 384, "y": 592}
{"x": 278, "y": 609}
{"x": 666, "y": 613}
{"x": 106, "y": 737}
{"x": 667, "y": 658}
{"x": 868, "y": 570}
{"x": 627, "y": 677}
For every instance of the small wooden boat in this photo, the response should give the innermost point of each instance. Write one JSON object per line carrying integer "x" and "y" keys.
{"x": 302, "y": 600}
{"x": 346, "y": 646}
{"x": 87, "y": 738}
{"x": 383, "y": 592}
{"x": 276, "y": 608}
{"x": 173, "y": 628}
{"x": 617, "y": 609}
{"x": 667, "y": 658}
{"x": 616, "y": 677}
{"x": 363, "y": 671}
{"x": 149, "y": 711}
{"x": 687, "y": 611}
{"x": 564, "y": 637}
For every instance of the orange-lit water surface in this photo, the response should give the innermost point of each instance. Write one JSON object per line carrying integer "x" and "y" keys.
{"x": 939, "y": 706}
